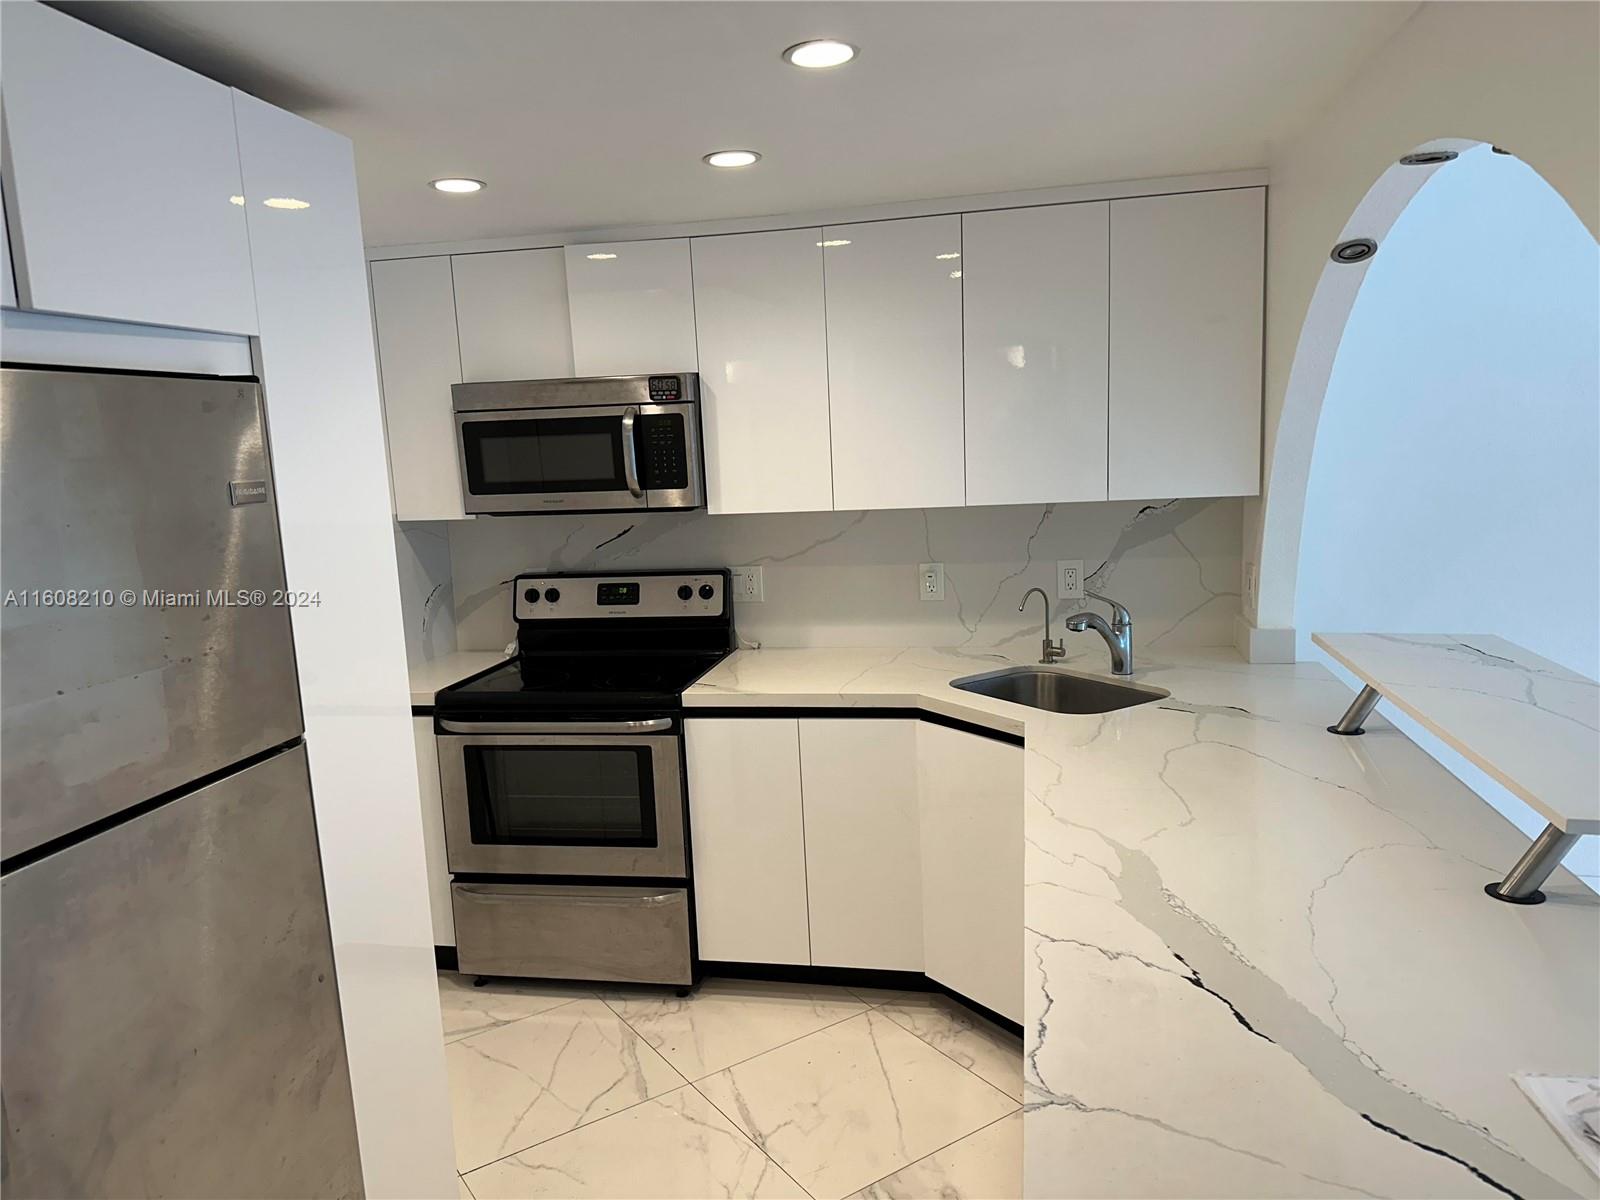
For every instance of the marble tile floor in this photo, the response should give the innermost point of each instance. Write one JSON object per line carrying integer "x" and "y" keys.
{"x": 744, "y": 1089}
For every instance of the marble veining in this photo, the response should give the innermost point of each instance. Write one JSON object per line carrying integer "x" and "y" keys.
{"x": 1259, "y": 959}
{"x": 849, "y": 578}
{"x": 1530, "y": 723}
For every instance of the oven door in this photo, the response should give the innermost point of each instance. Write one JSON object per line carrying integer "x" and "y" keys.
{"x": 583, "y": 798}
{"x": 580, "y": 459}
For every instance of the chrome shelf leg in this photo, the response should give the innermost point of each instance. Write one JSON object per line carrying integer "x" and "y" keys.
{"x": 1360, "y": 709}
{"x": 1521, "y": 885}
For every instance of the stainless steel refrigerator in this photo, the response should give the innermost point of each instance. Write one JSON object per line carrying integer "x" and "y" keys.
{"x": 171, "y": 1022}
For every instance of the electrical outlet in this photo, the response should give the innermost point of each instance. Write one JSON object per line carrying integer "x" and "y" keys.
{"x": 1069, "y": 579}
{"x": 930, "y": 581}
{"x": 748, "y": 585}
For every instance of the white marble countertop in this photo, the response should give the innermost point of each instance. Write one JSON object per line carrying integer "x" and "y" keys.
{"x": 428, "y": 677}
{"x": 1530, "y": 723}
{"x": 1260, "y": 960}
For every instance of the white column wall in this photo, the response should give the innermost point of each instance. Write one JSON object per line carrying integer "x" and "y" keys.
{"x": 319, "y": 371}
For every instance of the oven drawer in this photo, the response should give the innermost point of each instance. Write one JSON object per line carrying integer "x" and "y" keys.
{"x": 552, "y": 931}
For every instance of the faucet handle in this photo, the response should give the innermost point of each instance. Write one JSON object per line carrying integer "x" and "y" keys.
{"x": 1119, "y": 615}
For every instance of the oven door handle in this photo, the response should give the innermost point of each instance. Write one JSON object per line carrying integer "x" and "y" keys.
{"x": 658, "y": 725}
{"x": 630, "y": 452}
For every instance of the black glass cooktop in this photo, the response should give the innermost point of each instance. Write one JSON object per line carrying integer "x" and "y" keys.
{"x": 587, "y": 682}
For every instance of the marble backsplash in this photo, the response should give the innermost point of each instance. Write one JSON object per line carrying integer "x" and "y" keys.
{"x": 850, "y": 578}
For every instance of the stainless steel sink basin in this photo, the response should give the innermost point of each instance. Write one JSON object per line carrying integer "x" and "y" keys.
{"x": 1059, "y": 691}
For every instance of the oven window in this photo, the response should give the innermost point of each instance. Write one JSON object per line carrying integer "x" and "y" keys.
{"x": 561, "y": 795}
{"x": 558, "y": 454}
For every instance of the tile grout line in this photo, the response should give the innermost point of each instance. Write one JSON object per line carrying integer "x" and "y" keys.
{"x": 940, "y": 1150}
{"x": 759, "y": 1148}
{"x": 465, "y": 1185}
{"x": 451, "y": 1041}
{"x": 957, "y": 1061}
{"x": 645, "y": 1100}
{"x": 574, "y": 1129}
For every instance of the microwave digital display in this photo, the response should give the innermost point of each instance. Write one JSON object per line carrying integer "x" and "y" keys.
{"x": 616, "y": 593}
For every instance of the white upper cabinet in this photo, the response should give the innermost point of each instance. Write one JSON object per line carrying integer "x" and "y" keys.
{"x": 863, "y": 856}
{"x": 761, "y": 324}
{"x": 511, "y": 313}
{"x": 894, "y": 363}
{"x": 414, "y": 308}
{"x": 1186, "y": 297}
{"x": 1034, "y": 302}
{"x": 124, "y": 195}
{"x": 632, "y": 306}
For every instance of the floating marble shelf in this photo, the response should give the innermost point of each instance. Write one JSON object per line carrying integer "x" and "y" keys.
{"x": 1529, "y": 723}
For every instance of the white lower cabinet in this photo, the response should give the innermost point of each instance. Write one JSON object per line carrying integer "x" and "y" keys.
{"x": 857, "y": 842}
{"x": 971, "y": 798}
{"x": 444, "y": 925}
{"x": 863, "y": 859}
{"x": 748, "y": 833}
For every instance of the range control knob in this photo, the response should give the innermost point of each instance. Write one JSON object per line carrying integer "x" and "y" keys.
{"x": 684, "y": 591}
{"x": 707, "y": 591}
{"x": 531, "y": 595}
{"x": 552, "y": 594}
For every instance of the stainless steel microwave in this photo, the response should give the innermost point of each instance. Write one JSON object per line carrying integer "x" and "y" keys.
{"x": 614, "y": 443}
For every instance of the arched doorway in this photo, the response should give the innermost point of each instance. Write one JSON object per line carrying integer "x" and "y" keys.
{"x": 1451, "y": 471}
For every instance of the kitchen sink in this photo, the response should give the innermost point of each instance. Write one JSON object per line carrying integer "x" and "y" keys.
{"x": 1059, "y": 691}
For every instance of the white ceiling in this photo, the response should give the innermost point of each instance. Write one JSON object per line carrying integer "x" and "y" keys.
{"x": 584, "y": 115}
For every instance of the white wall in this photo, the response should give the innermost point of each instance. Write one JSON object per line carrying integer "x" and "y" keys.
{"x": 1520, "y": 75}
{"x": 325, "y": 420}
{"x": 1455, "y": 483}
{"x": 839, "y": 579}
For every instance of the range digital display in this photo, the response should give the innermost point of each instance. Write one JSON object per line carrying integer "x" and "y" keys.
{"x": 616, "y": 593}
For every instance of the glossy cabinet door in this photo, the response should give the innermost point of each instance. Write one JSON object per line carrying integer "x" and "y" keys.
{"x": 894, "y": 363}
{"x": 444, "y": 925}
{"x": 511, "y": 315}
{"x": 1186, "y": 318}
{"x": 632, "y": 307}
{"x": 863, "y": 858}
{"x": 971, "y": 799}
{"x": 760, "y": 322}
{"x": 1035, "y": 325}
{"x": 748, "y": 833}
{"x": 414, "y": 309}
{"x": 123, "y": 181}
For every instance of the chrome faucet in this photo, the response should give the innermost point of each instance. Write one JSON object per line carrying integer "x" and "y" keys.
{"x": 1050, "y": 651}
{"x": 1118, "y": 633}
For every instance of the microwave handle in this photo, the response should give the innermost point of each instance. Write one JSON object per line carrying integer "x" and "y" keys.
{"x": 630, "y": 452}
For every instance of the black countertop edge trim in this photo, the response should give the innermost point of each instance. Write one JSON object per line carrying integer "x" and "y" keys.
{"x": 906, "y": 981}
{"x": 134, "y": 811}
{"x": 753, "y": 712}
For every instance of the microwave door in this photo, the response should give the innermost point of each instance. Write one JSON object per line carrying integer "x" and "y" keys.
{"x": 545, "y": 460}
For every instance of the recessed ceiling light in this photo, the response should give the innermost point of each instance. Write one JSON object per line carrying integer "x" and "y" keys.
{"x": 952, "y": 254}
{"x": 458, "y": 187}
{"x": 732, "y": 158}
{"x": 835, "y": 242}
{"x": 820, "y": 53}
{"x": 600, "y": 257}
{"x": 239, "y": 200}
{"x": 285, "y": 202}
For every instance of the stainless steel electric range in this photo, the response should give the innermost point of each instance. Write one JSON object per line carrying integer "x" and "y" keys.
{"x": 566, "y": 819}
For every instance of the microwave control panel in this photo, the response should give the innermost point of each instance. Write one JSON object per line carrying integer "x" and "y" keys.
{"x": 663, "y": 455}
